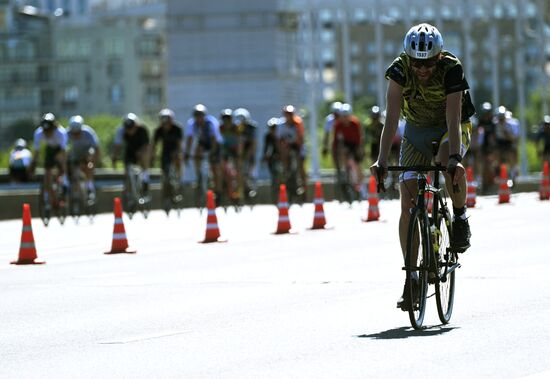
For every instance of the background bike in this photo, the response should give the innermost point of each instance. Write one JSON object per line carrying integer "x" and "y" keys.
{"x": 347, "y": 177}
{"x": 172, "y": 190}
{"x": 133, "y": 198}
{"x": 230, "y": 185}
{"x": 81, "y": 201}
{"x": 51, "y": 202}
{"x": 291, "y": 178}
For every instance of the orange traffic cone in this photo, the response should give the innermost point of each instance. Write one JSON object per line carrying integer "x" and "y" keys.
{"x": 212, "y": 231}
{"x": 471, "y": 188}
{"x": 544, "y": 191}
{"x": 503, "y": 188}
{"x": 372, "y": 197}
{"x": 120, "y": 242}
{"x": 319, "y": 220}
{"x": 283, "y": 225}
{"x": 27, "y": 249}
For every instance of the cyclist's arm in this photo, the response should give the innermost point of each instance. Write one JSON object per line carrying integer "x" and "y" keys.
{"x": 454, "y": 103}
{"x": 394, "y": 99}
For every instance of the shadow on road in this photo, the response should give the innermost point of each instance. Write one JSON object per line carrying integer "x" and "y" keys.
{"x": 406, "y": 332}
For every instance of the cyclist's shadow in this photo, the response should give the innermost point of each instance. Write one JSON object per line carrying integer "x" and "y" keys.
{"x": 407, "y": 332}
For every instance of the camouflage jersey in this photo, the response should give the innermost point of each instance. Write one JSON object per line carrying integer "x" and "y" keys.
{"x": 425, "y": 105}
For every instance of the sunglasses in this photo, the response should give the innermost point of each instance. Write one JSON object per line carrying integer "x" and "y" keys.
{"x": 428, "y": 63}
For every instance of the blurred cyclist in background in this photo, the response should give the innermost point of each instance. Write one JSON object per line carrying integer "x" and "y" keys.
{"x": 247, "y": 129}
{"x": 54, "y": 136}
{"x": 290, "y": 135}
{"x": 135, "y": 138}
{"x": 84, "y": 151}
{"x": 202, "y": 136}
{"x": 170, "y": 134}
{"x": 331, "y": 118}
{"x": 20, "y": 162}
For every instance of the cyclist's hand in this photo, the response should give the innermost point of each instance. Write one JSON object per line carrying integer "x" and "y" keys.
{"x": 379, "y": 171}
{"x": 456, "y": 171}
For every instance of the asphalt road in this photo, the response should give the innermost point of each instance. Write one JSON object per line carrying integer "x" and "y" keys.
{"x": 316, "y": 304}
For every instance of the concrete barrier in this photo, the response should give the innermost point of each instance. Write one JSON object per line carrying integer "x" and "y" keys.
{"x": 109, "y": 185}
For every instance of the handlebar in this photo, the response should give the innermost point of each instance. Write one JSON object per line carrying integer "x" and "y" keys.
{"x": 419, "y": 168}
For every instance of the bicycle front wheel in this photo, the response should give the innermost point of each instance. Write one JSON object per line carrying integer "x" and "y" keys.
{"x": 417, "y": 264}
{"x": 446, "y": 261}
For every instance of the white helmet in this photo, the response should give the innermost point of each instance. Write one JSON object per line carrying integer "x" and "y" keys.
{"x": 423, "y": 41}
{"x": 167, "y": 113}
{"x": 241, "y": 115}
{"x": 335, "y": 107}
{"x": 75, "y": 124}
{"x": 346, "y": 109}
{"x": 20, "y": 143}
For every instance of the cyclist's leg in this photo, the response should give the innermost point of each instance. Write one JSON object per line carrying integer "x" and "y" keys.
{"x": 215, "y": 168}
{"x": 461, "y": 229}
{"x": 408, "y": 188}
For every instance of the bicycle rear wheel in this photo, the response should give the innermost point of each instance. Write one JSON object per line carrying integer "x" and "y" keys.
{"x": 417, "y": 264}
{"x": 445, "y": 259}
{"x": 44, "y": 208}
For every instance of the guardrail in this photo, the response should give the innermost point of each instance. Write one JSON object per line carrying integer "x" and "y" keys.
{"x": 109, "y": 185}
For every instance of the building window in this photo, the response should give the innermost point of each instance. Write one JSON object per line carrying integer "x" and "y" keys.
{"x": 77, "y": 48}
{"x": 114, "y": 69}
{"x": 115, "y": 94}
{"x": 355, "y": 49}
{"x": 50, "y": 5}
{"x": 70, "y": 95}
{"x": 151, "y": 69}
{"x": 114, "y": 47}
{"x": 82, "y": 6}
{"x": 153, "y": 96}
{"x": 149, "y": 47}
{"x": 355, "y": 68}
{"x": 327, "y": 36}
{"x": 357, "y": 88}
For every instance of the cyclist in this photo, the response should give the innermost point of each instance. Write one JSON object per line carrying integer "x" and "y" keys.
{"x": 54, "y": 136}
{"x": 348, "y": 136}
{"x": 84, "y": 151}
{"x": 486, "y": 132}
{"x": 427, "y": 83}
{"x": 135, "y": 138}
{"x": 20, "y": 162}
{"x": 202, "y": 135}
{"x": 290, "y": 135}
{"x": 373, "y": 131}
{"x": 231, "y": 149}
{"x": 170, "y": 133}
{"x": 507, "y": 135}
{"x": 329, "y": 127}
{"x": 543, "y": 138}
{"x": 247, "y": 129}
{"x": 271, "y": 153}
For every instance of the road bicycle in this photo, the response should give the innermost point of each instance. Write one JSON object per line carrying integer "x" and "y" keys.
{"x": 230, "y": 185}
{"x": 172, "y": 190}
{"x": 429, "y": 258}
{"x": 133, "y": 196}
{"x": 347, "y": 177}
{"x": 81, "y": 201}
{"x": 51, "y": 201}
{"x": 291, "y": 178}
